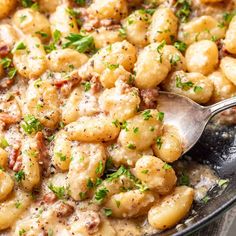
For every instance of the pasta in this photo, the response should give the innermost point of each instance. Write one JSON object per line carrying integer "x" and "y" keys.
{"x": 84, "y": 146}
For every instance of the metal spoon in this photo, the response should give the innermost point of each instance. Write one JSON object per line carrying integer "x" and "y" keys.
{"x": 189, "y": 117}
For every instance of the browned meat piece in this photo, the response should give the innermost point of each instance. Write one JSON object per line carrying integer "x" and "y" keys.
{"x": 64, "y": 209}
{"x": 49, "y": 198}
{"x": 96, "y": 86}
{"x": 92, "y": 222}
{"x": 4, "y": 50}
{"x": 8, "y": 119}
{"x": 149, "y": 98}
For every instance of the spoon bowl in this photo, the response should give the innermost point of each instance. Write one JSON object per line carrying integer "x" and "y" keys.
{"x": 189, "y": 117}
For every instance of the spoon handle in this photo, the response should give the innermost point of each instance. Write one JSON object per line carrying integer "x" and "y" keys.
{"x": 223, "y": 105}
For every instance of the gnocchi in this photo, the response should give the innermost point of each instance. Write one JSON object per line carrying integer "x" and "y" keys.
{"x": 88, "y": 163}
{"x": 193, "y": 85}
{"x": 202, "y": 57}
{"x": 171, "y": 209}
{"x": 164, "y": 25}
{"x": 156, "y": 174}
{"x": 43, "y": 103}
{"x": 29, "y": 57}
{"x": 230, "y": 37}
{"x": 145, "y": 125}
{"x": 152, "y": 66}
{"x": 84, "y": 148}
{"x": 32, "y": 22}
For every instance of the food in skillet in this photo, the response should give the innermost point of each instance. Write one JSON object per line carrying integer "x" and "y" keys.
{"x": 84, "y": 149}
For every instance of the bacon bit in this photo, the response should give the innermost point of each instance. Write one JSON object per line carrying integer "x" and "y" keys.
{"x": 222, "y": 50}
{"x": 4, "y": 50}
{"x": 43, "y": 153}
{"x": 18, "y": 164}
{"x": 13, "y": 158}
{"x": 6, "y": 83}
{"x": 64, "y": 209}
{"x": 90, "y": 25}
{"x": 149, "y": 98}
{"x": 106, "y": 22}
{"x": 92, "y": 222}
{"x": 66, "y": 85}
{"x": 96, "y": 86}
{"x": 8, "y": 119}
{"x": 49, "y": 198}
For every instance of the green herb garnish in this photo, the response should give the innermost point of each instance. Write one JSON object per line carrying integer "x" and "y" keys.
{"x": 31, "y": 124}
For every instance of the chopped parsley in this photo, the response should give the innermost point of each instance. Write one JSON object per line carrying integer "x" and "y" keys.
{"x": 197, "y": 89}
{"x": 81, "y": 43}
{"x": 6, "y": 62}
{"x": 147, "y": 11}
{"x": 160, "y": 116}
{"x": 112, "y": 66}
{"x": 121, "y": 171}
{"x": 87, "y": 86}
{"x": 131, "y": 146}
{"x": 12, "y": 72}
{"x": 117, "y": 203}
{"x": 17, "y": 204}
{"x": 27, "y": 3}
{"x": 184, "y": 10}
{"x": 223, "y": 182}
{"x": 184, "y": 179}
{"x": 100, "y": 194}
{"x": 174, "y": 59}
{"x": 205, "y": 199}
{"x": 108, "y": 212}
{"x": 147, "y": 115}
{"x": 183, "y": 85}
{"x": 227, "y": 17}
{"x": 60, "y": 192}
{"x": 31, "y": 124}
{"x": 122, "y": 32}
{"x": 144, "y": 171}
{"x": 99, "y": 169}
{"x": 167, "y": 166}
{"x": 181, "y": 46}
{"x": 22, "y": 232}
{"x": 161, "y": 46}
{"x": 116, "y": 123}
{"x": 19, "y": 176}
{"x": 124, "y": 126}
{"x": 3, "y": 143}
{"x": 159, "y": 142}
{"x": 19, "y": 46}
{"x": 82, "y": 195}
{"x": 90, "y": 184}
{"x": 135, "y": 130}
{"x": 50, "y": 138}
{"x": 56, "y": 38}
{"x": 61, "y": 156}
{"x": 80, "y": 2}
{"x": 42, "y": 34}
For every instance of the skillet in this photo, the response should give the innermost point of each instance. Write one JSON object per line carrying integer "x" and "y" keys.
{"x": 217, "y": 149}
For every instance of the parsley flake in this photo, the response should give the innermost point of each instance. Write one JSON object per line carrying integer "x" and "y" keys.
{"x": 58, "y": 191}
{"x": 81, "y": 43}
{"x": 183, "y": 85}
{"x": 31, "y": 124}
{"x": 147, "y": 115}
{"x": 19, "y": 176}
{"x": 159, "y": 142}
{"x": 108, "y": 212}
{"x": 100, "y": 194}
{"x": 160, "y": 116}
{"x": 167, "y": 166}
